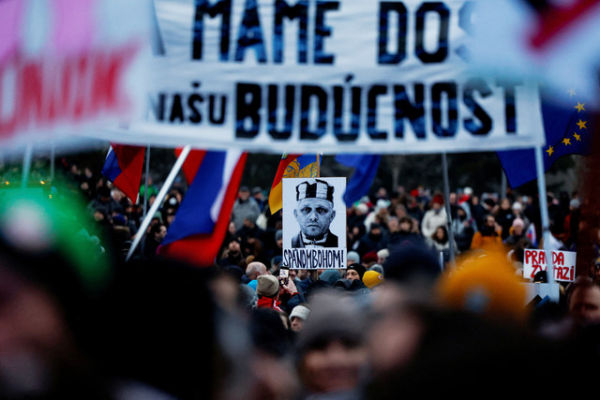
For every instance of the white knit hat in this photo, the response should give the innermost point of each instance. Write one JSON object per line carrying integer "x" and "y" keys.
{"x": 301, "y": 312}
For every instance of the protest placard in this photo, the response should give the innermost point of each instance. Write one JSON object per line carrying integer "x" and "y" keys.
{"x": 564, "y": 263}
{"x": 68, "y": 64}
{"x": 314, "y": 223}
{"x": 337, "y": 76}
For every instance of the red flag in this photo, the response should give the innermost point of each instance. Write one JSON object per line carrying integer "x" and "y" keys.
{"x": 123, "y": 166}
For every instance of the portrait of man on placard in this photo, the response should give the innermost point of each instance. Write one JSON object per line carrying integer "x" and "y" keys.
{"x": 314, "y": 213}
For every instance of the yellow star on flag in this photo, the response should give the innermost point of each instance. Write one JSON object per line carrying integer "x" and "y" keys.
{"x": 550, "y": 151}
{"x": 566, "y": 141}
{"x": 577, "y": 137}
{"x": 581, "y": 124}
{"x": 580, "y": 107}
{"x": 571, "y": 92}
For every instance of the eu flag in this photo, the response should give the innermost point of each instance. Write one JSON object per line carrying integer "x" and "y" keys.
{"x": 567, "y": 129}
{"x": 365, "y": 168}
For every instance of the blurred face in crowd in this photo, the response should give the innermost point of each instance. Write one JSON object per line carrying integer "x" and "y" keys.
{"x": 33, "y": 337}
{"x": 376, "y": 232}
{"x": 160, "y": 235}
{"x": 352, "y": 275}
{"x": 117, "y": 195}
{"x": 584, "y": 305}
{"x": 314, "y": 216}
{"x": 436, "y": 206}
{"x": 490, "y": 221}
{"x": 297, "y": 324}
{"x": 244, "y": 195}
{"x": 333, "y": 366}
{"x": 505, "y": 204}
{"x": 452, "y": 198}
{"x": 170, "y": 218}
{"x": 302, "y": 274}
{"x": 400, "y": 211}
{"x": 405, "y": 226}
{"x": 596, "y": 273}
{"x": 249, "y": 222}
{"x": 394, "y": 333}
{"x": 231, "y": 228}
{"x": 393, "y": 224}
{"x": 98, "y": 216}
{"x": 518, "y": 230}
{"x": 440, "y": 234}
{"x": 234, "y": 247}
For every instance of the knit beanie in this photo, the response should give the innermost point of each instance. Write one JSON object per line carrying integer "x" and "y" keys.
{"x": 372, "y": 279}
{"x": 267, "y": 286}
{"x": 359, "y": 268}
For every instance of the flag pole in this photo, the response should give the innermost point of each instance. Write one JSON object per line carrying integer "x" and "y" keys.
{"x": 541, "y": 180}
{"x": 447, "y": 202}
{"x": 318, "y": 165}
{"x": 146, "y": 183}
{"x": 26, "y": 165}
{"x": 159, "y": 198}
{"x": 52, "y": 161}
{"x": 502, "y": 184}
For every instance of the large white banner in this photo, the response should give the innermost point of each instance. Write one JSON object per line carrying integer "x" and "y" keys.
{"x": 329, "y": 76}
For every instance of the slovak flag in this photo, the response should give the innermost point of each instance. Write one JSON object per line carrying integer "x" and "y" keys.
{"x": 530, "y": 234}
{"x": 123, "y": 167}
{"x": 202, "y": 219}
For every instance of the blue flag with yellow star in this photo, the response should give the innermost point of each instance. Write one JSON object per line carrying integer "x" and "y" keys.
{"x": 567, "y": 129}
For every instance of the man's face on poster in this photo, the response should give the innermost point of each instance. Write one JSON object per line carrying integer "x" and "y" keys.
{"x": 314, "y": 216}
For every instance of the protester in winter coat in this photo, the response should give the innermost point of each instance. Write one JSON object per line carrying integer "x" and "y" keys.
{"x": 434, "y": 217}
{"x": 489, "y": 234}
{"x": 267, "y": 289}
{"x": 279, "y": 296}
{"x": 244, "y": 207}
{"x": 155, "y": 237}
{"x": 404, "y": 235}
{"x": 439, "y": 241}
{"x": 373, "y": 241}
{"x": 505, "y": 217}
{"x": 517, "y": 232}
{"x": 462, "y": 227}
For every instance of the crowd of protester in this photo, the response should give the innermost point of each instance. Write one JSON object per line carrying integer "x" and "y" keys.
{"x": 376, "y": 222}
{"x": 394, "y": 323}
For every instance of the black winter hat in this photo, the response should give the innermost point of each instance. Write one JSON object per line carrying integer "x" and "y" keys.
{"x": 358, "y": 268}
{"x": 408, "y": 263}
